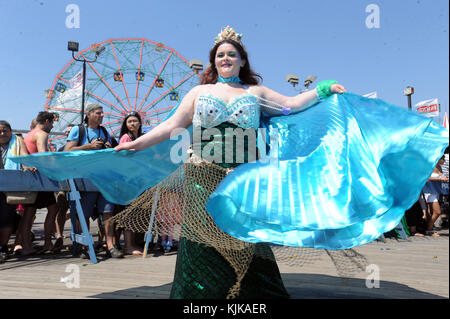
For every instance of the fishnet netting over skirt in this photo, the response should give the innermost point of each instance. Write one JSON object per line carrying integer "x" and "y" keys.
{"x": 180, "y": 211}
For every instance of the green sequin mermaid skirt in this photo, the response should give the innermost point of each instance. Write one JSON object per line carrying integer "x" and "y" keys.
{"x": 201, "y": 272}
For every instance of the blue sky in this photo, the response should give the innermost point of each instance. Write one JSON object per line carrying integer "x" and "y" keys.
{"x": 327, "y": 38}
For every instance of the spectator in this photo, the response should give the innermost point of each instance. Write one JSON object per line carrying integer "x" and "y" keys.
{"x": 169, "y": 215}
{"x": 416, "y": 218}
{"x": 36, "y": 141}
{"x": 33, "y": 124}
{"x": 432, "y": 190}
{"x": 66, "y": 133}
{"x": 131, "y": 129}
{"x": 444, "y": 214}
{"x": 445, "y": 164}
{"x": 13, "y": 145}
{"x": 21, "y": 210}
{"x": 94, "y": 137}
{"x": 62, "y": 207}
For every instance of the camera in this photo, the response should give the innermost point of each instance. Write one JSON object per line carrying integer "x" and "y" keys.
{"x": 101, "y": 139}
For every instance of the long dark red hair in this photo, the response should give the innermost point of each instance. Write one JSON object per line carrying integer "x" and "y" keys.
{"x": 246, "y": 74}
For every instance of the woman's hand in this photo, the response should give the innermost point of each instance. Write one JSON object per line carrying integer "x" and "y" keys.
{"x": 125, "y": 146}
{"x": 337, "y": 88}
{"x": 31, "y": 169}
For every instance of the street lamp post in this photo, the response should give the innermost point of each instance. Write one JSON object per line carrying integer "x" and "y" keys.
{"x": 196, "y": 65}
{"x": 293, "y": 79}
{"x": 408, "y": 91}
{"x": 309, "y": 80}
{"x": 73, "y": 46}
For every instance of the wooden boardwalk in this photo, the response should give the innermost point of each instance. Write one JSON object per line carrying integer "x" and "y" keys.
{"x": 411, "y": 269}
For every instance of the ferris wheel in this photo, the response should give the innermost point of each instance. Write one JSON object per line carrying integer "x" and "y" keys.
{"x": 129, "y": 75}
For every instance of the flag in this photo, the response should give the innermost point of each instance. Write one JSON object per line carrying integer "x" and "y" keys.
{"x": 71, "y": 97}
{"x": 428, "y": 108}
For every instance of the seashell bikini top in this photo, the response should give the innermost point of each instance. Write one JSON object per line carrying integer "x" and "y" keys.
{"x": 243, "y": 110}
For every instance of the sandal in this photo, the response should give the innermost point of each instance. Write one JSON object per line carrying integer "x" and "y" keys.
{"x": 84, "y": 254}
{"x": 134, "y": 252}
{"x": 28, "y": 252}
{"x": 99, "y": 247}
{"x": 114, "y": 253}
{"x": 432, "y": 233}
{"x": 43, "y": 251}
{"x": 58, "y": 245}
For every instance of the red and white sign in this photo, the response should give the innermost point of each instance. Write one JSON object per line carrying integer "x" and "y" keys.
{"x": 428, "y": 108}
{"x": 445, "y": 121}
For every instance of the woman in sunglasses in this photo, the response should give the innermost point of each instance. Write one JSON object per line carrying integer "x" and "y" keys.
{"x": 131, "y": 128}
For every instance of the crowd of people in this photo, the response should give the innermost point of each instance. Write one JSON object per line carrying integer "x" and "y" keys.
{"x": 430, "y": 212}
{"x": 18, "y": 219}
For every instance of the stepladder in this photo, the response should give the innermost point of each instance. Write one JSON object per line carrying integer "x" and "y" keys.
{"x": 78, "y": 237}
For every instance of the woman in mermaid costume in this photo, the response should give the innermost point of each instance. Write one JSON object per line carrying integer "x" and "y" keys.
{"x": 228, "y": 98}
{"x": 342, "y": 171}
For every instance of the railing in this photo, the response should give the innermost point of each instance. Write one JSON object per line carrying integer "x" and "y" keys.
{"x": 25, "y": 181}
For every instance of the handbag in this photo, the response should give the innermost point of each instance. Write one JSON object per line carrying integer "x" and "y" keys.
{"x": 13, "y": 198}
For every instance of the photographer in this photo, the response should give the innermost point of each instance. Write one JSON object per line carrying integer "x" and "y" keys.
{"x": 93, "y": 136}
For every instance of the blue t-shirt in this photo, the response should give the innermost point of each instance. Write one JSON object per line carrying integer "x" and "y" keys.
{"x": 89, "y": 135}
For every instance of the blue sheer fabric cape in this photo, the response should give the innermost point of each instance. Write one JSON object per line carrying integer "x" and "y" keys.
{"x": 119, "y": 176}
{"x": 345, "y": 171}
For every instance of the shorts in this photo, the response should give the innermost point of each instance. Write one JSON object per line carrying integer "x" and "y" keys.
{"x": 431, "y": 198}
{"x": 8, "y": 213}
{"x": 94, "y": 204}
{"x": 43, "y": 199}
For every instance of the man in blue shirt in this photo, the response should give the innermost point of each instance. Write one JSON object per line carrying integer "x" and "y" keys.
{"x": 94, "y": 136}
{"x": 93, "y": 203}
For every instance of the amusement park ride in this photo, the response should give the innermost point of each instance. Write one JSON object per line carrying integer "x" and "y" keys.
{"x": 122, "y": 75}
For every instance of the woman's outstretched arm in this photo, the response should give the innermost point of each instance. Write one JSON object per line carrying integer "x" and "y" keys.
{"x": 296, "y": 103}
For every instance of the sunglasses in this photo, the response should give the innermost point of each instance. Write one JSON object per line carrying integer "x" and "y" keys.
{"x": 132, "y": 114}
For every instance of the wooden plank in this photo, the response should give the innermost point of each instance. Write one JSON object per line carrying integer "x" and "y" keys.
{"x": 408, "y": 269}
